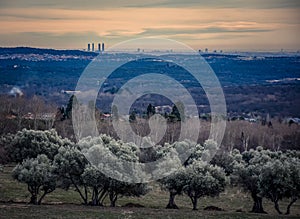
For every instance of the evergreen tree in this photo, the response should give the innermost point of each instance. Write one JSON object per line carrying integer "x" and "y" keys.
{"x": 150, "y": 110}
{"x": 178, "y": 111}
{"x": 132, "y": 116}
{"x": 72, "y": 102}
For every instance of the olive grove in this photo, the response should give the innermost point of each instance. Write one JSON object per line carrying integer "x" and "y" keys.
{"x": 103, "y": 168}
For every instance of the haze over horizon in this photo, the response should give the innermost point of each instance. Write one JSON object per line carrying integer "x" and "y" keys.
{"x": 252, "y": 25}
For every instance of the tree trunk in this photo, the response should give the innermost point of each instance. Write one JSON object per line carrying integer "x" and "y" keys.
{"x": 85, "y": 194}
{"x": 101, "y": 197}
{"x": 195, "y": 202}
{"x": 289, "y": 206}
{"x": 95, "y": 197}
{"x": 277, "y": 207}
{"x": 171, "y": 204}
{"x": 42, "y": 197}
{"x": 113, "y": 198}
{"x": 33, "y": 199}
{"x": 92, "y": 202}
{"x": 34, "y": 193}
{"x": 257, "y": 205}
{"x": 80, "y": 193}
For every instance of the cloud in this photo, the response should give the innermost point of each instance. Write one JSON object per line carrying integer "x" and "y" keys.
{"x": 108, "y": 4}
{"x": 73, "y": 23}
{"x": 256, "y": 4}
{"x": 50, "y": 40}
{"x": 72, "y": 4}
{"x": 216, "y": 29}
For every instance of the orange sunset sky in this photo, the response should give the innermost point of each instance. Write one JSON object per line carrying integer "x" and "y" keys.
{"x": 268, "y": 25}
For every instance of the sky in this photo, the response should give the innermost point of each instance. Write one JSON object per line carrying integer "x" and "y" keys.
{"x": 245, "y": 25}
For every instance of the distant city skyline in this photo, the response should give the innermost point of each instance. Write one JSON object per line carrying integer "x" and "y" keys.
{"x": 253, "y": 25}
{"x": 100, "y": 48}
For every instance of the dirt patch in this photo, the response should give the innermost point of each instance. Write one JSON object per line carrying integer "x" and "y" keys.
{"x": 13, "y": 206}
{"x": 133, "y": 205}
{"x": 213, "y": 208}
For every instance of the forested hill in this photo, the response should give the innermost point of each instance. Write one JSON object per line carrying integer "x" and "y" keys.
{"x": 263, "y": 82}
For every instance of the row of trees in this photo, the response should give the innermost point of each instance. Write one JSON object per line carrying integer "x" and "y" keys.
{"x": 46, "y": 162}
{"x": 14, "y": 113}
{"x": 268, "y": 174}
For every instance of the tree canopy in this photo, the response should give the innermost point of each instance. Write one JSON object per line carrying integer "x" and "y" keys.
{"x": 30, "y": 143}
{"x": 39, "y": 176}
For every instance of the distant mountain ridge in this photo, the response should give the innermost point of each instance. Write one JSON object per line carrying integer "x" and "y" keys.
{"x": 28, "y": 50}
{"x": 77, "y": 52}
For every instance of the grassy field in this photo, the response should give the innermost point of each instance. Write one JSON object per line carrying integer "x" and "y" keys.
{"x": 62, "y": 204}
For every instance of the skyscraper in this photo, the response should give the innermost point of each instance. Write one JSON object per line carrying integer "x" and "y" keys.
{"x": 102, "y": 47}
{"x": 99, "y": 47}
{"x": 93, "y": 47}
{"x": 89, "y": 47}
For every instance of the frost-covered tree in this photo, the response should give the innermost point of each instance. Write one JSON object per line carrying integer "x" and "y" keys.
{"x": 174, "y": 184}
{"x": 35, "y": 151}
{"x": 103, "y": 186}
{"x": 271, "y": 174}
{"x": 293, "y": 189}
{"x": 201, "y": 153}
{"x": 172, "y": 169}
{"x": 203, "y": 179}
{"x": 119, "y": 188}
{"x": 272, "y": 180}
{"x": 38, "y": 174}
{"x": 246, "y": 171}
{"x": 223, "y": 159}
{"x": 112, "y": 159}
{"x": 196, "y": 177}
{"x": 69, "y": 164}
{"x": 280, "y": 178}
{"x": 30, "y": 143}
{"x": 98, "y": 182}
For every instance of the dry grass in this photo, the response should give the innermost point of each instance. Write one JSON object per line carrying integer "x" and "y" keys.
{"x": 62, "y": 204}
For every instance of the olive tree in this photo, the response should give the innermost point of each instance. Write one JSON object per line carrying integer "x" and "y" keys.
{"x": 203, "y": 153}
{"x": 272, "y": 181}
{"x": 280, "y": 178}
{"x": 271, "y": 174}
{"x": 69, "y": 164}
{"x": 30, "y": 143}
{"x": 119, "y": 188}
{"x": 35, "y": 152}
{"x": 106, "y": 156}
{"x": 38, "y": 174}
{"x": 203, "y": 179}
{"x": 223, "y": 159}
{"x": 196, "y": 177}
{"x": 246, "y": 172}
{"x": 98, "y": 182}
{"x": 174, "y": 183}
{"x": 172, "y": 168}
{"x": 293, "y": 189}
